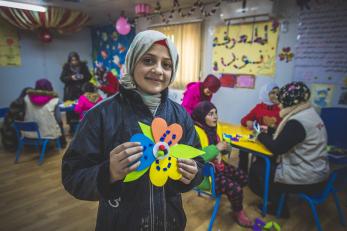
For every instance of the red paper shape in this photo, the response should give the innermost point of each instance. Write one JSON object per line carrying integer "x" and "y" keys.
{"x": 228, "y": 80}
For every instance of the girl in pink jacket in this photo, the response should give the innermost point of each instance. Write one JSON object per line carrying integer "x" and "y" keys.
{"x": 197, "y": 92}
{"x": 87, "y": 100}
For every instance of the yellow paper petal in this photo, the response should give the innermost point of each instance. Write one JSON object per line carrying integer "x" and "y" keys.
{"x": 162, "y": 169}
{"x": 173, "y": 171}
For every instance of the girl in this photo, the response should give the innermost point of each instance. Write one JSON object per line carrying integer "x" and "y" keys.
{"x": 266, "y": 113}
{"x": 100, "y": 155}
{"x": 87, "y": 100}
{"x": 108, "y": 82}
{"x": 228, "y": 179}
{"x": 299, "y": 144}
{"x": 200, "y": 91}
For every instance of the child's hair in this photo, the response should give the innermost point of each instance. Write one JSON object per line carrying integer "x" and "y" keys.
{"x": 43, "y": 84}
{"x": 88, "y": 87}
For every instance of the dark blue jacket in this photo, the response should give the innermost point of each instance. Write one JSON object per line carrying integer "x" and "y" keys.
{"x": 125, "y": 206}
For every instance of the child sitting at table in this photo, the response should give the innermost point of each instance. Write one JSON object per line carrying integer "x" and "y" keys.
{"x": 228, "y": 179}
{"x": 265, "y": 113}
{"x": 87, "y": 100}
{"x": 41, "y": 106}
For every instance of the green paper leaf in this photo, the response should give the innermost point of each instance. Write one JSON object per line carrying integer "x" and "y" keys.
{"x": 185, "y": 151}
{"x": 135, "y": 175}
{"x": 268, "y": 225}
{"x": 146, "y": 130}
{"x": 277, "y": 226}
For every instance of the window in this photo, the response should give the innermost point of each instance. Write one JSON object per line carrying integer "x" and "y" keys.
{"x": 187, "y": 38}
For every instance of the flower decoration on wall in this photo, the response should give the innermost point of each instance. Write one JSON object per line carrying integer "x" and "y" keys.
{"x": 286, "y": 55}
{"x": 161, "y": 151}
{"x": 55, "y": 18}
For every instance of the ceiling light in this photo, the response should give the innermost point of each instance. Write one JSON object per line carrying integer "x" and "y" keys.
{"x": 23, "y": 6}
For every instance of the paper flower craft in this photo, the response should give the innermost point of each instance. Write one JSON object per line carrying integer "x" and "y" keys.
{"x": 160, "y": 152}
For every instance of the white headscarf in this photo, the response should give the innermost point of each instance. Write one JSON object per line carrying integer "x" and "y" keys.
{"x": 142, "y": 42}
{"x": 264, "y": 93}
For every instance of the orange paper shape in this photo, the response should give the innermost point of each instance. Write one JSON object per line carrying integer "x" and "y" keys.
{"x": 168, "y": 134}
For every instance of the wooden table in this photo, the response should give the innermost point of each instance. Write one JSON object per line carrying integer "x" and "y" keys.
{"x": 255, "y": 148}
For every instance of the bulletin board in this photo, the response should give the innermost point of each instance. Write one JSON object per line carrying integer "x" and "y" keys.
{"x": 9, "y": 45}
{"x": 246, "y": 48}
{"x": 321, "y": 58}
{"x": 110, "y": 48}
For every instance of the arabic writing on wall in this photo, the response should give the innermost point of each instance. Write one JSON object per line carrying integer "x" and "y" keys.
{"x": 321, "y": 47}
{"x": 246, "y": 48}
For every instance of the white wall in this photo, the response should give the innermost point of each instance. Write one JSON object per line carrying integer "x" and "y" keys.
{"x": 41, "y": 60}
{"x": 233, "y": 103}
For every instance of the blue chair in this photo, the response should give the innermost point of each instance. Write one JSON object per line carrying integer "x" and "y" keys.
{"x": 336, "y": 125}
{"x": 3, "y": 111}
{"x": 208, "y": 171}
{"x": 336, "y": 182}
{"x": 32, "y": 127}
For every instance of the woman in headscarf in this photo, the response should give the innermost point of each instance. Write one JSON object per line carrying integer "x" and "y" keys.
{"x": 41, "y": 106}
{"x": 265, "y": 113}
{"x": 197, "y": 92}
{"x": 75, "y": 73}
{"x": 299, "y": 144}
{"x": 228, "y": 179}
{"x": 100, "y": 155}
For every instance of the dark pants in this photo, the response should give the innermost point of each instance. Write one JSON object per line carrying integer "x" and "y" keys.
{"x": 243, "y": 161}
{"x": 257, "y": 183}
{"x": 62, "y": 138}
{"x": 230, "y": 181}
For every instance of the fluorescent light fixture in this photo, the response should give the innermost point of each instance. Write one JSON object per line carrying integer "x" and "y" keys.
{"x": 23, "y": 6}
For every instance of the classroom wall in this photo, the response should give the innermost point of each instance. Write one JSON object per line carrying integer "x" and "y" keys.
{"x": 41, "y": 60}
{"x": 233, "y": 103}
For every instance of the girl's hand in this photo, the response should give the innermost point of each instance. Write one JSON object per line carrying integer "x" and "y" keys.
{"x": 264, "y": 128}
{"x": 124, "y": 159}
{"x": 188, "y": 168}
{"x": 249, "y": 124}
{"x": 221, "y": 146}
{"x": 219, "y": 158}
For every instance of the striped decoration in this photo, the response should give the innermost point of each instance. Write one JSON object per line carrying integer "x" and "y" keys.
{"x": 61, "y": 19}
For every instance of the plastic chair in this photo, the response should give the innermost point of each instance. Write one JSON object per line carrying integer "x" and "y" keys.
{"x": 208, "y": 171}
{"x": 32, "y": 127}
{"x": 336, "y": 125}
{"x": 336, "y": 182}
{"x": 3, "y": 111}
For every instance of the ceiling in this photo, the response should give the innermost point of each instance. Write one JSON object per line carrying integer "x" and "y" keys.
{"x": 99, "y": 10}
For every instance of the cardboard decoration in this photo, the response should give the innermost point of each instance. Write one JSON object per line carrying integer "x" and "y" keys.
{"x": 228, "y": 80}
{"x": 245, "y": 81}
{"x": 161, "y": 151}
